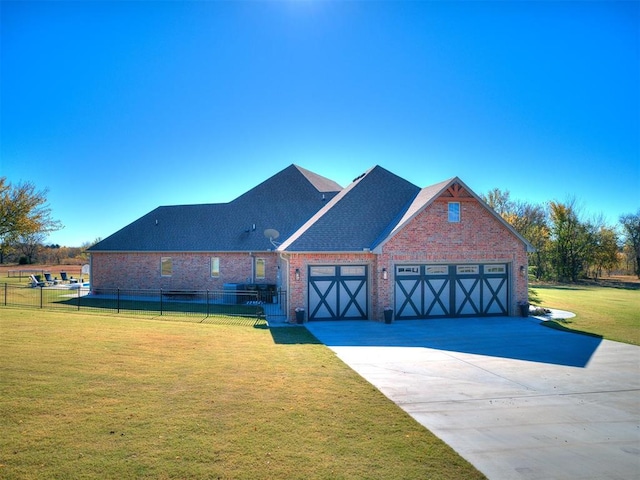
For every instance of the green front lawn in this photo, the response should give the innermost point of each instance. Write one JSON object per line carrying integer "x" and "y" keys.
{"x": 136, "y": 302}
{"x": 613, "y": 313}
{"x": 95, "y": 396}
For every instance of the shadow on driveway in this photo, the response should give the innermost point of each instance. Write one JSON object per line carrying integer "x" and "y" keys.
{"x": 505, "y": 337}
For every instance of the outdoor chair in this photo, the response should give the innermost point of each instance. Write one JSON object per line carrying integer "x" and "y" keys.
{"x": 43, "y": 282}
{"x": 35, "y": 281}
{"x": 63, "y": 276}
{"x": 49, "y": 280}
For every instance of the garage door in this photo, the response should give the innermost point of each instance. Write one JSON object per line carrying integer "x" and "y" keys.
{"x": 338, "y": 292}
{"x": 430, "y": 291}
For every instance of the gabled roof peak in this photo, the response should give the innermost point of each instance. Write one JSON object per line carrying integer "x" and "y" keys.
{"x": 322, "y": 184}
{"x": 454, "y": 189}
{"x": 353, "y": 219}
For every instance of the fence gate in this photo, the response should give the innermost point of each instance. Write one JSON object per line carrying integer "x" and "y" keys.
{"x": 427, "y": 291}
{"x": 338, "y": 292}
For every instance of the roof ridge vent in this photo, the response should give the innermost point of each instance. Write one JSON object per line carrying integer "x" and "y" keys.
{"x": 359, "y": 177}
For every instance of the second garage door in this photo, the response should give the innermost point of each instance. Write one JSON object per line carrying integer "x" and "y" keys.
{"x": 431, "y": 291}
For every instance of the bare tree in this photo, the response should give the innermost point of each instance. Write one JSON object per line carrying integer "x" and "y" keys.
{"x": 500, "y": 201}
{"x": 29, "y": 245}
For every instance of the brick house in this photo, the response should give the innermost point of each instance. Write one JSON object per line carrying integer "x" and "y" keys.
{"x": 340, "y": 253}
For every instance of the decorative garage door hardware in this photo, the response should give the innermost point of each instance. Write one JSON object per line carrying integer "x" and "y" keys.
{"x": 338, "y": 292}
{"x": 432, "y": 291}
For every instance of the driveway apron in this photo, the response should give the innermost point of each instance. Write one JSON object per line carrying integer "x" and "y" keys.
{"x": 514, "y": 398}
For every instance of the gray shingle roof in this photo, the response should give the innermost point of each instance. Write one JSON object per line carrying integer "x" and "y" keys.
{"x": 283, "y": 202}
{"x": 310, "y": 212}
{"x": 357, "y": 216}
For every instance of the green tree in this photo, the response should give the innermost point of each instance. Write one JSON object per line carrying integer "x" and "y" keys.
{"x": 605, "y": 251}
{"x": 23, "y": 211}
{"x": 529, "y": 220}
{"x": 572, "y": 241}
{"x": 631, "y": 231}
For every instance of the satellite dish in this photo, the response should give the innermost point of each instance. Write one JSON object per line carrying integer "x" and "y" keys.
{"x": 271, "y": 234}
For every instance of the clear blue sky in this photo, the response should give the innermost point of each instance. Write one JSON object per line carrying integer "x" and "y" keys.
{"x": 120, "y": 107}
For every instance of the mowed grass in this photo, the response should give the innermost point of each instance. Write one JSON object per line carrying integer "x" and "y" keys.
{"x": 94, "y": 396}
{"x": 18, "y": 293}
{"x": 613, "y": 313}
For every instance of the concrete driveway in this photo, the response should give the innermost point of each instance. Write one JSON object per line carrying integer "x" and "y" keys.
{"x": 516, "y": 399}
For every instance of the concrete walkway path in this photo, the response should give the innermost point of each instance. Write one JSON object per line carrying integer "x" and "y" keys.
{"x": 516, "y": 399}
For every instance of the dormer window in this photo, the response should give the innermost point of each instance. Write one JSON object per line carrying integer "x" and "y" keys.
{"x": 454, "y": 212}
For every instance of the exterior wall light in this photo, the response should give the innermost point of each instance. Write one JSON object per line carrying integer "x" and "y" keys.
{"x": 297, "y": 274}
{"x": 522, "y": 270}
{"x": 385, "y": 274}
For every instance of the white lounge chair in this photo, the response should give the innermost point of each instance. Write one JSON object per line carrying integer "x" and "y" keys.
{"x": 36, "y": 282}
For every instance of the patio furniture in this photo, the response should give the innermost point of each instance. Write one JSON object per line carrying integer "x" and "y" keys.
{"x": 35, "y": 281}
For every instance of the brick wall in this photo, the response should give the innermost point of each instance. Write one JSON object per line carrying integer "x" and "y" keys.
{"x": 429, "y": 238}
{"x": 191, "y": 271}
{"x": 298, "y": 289}
{"x": 478, "y": 238}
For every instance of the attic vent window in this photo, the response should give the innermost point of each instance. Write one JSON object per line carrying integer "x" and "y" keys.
{"x": 454, "y": 212}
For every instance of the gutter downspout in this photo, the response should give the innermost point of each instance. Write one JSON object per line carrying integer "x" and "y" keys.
{"x": 253, "y": 268}
{"x": 285, "y": 280}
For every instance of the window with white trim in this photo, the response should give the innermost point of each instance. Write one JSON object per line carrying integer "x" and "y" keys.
{"x": 495, "y": 269}
{"x": 353, "y": 270}
{"x": 166, "y": 266}
{"x": 215, "y": 267}
{"x": 260, "y": 268}
{"x": 454, "y": 212}
{"x": 436, "y": 270}
{"x": 322, "y": 271}
{"x": 407, "y": 270}
{"x": 467, "y": 269}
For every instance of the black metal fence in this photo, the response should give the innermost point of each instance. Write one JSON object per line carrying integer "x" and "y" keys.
{"x": 204, "y": 303}
{"x": 25, "y": 273}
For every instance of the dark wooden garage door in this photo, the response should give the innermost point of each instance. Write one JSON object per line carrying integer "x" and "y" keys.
{"x": 431, "y": 291}
{"x": 338, "y": 292}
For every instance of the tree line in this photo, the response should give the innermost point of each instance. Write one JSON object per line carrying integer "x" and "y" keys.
{"x": 567, "y": 245}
